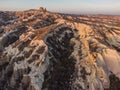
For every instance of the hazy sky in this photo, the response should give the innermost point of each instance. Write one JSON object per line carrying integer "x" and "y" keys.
{"x": 68, "y": 6}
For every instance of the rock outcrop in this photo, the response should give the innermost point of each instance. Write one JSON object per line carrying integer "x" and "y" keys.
{"x": 40, "y": 50}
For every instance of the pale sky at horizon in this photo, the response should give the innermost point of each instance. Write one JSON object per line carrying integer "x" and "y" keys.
{"x": 65, "y": 6}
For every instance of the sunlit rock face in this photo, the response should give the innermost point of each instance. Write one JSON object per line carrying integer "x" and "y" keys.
{"x": 40, "y": 50}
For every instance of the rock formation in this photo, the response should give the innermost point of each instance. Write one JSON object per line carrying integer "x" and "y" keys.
{"x": 41, "y": 50}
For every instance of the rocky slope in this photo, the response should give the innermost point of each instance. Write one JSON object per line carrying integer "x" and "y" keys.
{"x": 41, "y": 50}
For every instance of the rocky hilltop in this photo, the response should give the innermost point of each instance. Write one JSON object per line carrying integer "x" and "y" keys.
{"x": 42, "y": 50}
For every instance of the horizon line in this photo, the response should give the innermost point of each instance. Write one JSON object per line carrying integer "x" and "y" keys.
{"x": 65, "y": 12}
